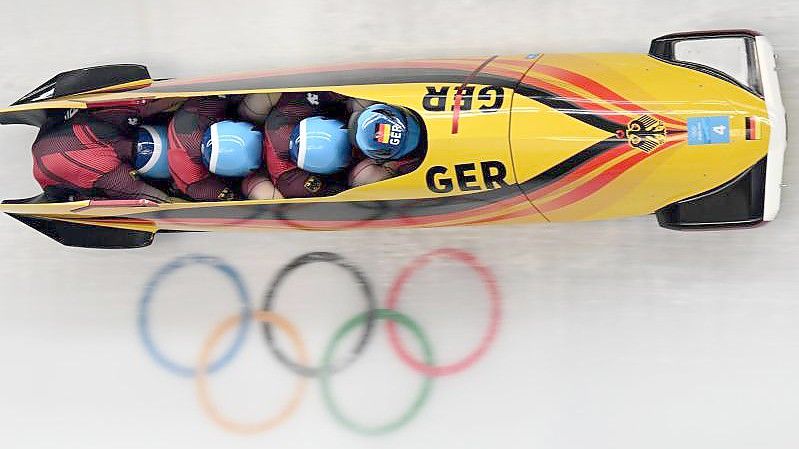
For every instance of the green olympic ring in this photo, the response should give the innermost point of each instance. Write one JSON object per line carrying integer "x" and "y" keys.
{"x": 327, "y": 360}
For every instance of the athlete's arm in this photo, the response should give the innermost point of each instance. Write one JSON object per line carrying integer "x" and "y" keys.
{"x": 121, "y": 183}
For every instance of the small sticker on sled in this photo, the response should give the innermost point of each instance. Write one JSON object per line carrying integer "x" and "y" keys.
{"x": 708, "y": 130}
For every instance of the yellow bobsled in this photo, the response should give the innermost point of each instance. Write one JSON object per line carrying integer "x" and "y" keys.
{"x": 694, "y": 132}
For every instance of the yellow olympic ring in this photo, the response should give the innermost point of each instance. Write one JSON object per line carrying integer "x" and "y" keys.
{"x": 201, "y": 378}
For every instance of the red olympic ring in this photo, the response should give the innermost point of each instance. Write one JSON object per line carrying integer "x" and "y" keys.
{"x": 496, "y": 312}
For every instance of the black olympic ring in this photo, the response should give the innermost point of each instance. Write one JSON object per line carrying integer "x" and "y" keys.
{"x": 371, "y": 307}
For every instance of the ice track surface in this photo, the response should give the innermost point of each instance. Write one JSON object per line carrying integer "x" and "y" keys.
{"x": 595, "y": 335}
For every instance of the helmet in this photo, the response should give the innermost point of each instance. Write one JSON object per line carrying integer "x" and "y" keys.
{"x": 320, "y": 145}
{"x": 232, "y": 149}
{"x": 385, "y": 132}
{"x": 150, "y": 154}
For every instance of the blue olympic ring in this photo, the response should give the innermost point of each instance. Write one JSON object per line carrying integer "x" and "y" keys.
{"x": 146, "y": 299}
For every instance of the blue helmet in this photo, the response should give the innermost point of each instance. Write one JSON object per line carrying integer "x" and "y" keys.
{"x": 150, "y": 154}
{"x": 232, "y": 149}
{"x": 320, "y": 145}
{"x": 385, "y": 132}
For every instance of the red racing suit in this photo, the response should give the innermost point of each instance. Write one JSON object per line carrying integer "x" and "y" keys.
{"x": 91, "y": 154}
{"x": 186, "y": 130}
{"x": 293, "y": 107}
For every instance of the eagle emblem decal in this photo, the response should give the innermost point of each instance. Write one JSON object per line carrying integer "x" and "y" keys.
{"x": 646, "y": 133}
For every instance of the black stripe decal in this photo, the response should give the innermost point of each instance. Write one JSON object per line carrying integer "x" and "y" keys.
{"x": 569, "y": 165}
{"x": 568, "y": 108}
{"x": 341, "y": 78}
{"x": 344, "y": 210}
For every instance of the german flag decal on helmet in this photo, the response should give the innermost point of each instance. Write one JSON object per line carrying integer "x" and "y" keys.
{"x": 383, "y": 134}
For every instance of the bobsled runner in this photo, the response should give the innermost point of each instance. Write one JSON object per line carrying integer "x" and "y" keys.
{"x": 693, "y": 132}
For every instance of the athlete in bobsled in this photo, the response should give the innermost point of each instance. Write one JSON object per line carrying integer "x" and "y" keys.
{"x": 312, "y": 137}
{"x": 287, "y": 131}
{"x": 101, "y": 153}
{"x": 108, "y": 153}
{"x": 390, "y": 141}
{"x": 207, "y": 151}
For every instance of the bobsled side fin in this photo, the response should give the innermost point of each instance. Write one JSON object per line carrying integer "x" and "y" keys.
{"x": 35, "y": 114}
{"x": 86, "y": 235}
{"x": 32, "y": 109}
{"x": 738, "y": 203}
{"x": 90, "y": 79}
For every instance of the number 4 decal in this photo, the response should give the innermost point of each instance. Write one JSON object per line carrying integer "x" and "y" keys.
{"x": 708, "y": 130}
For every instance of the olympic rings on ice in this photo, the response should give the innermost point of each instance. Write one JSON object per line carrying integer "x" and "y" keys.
{"x": 147, "y": 298}
{"x": 366, "y": 289}
{"x": 299, "y": 362}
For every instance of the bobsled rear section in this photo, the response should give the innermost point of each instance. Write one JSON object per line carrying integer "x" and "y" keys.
{"x": 466, "y": 176}
{"x": 84, "y": 223}
{"x": 55, "y": 93}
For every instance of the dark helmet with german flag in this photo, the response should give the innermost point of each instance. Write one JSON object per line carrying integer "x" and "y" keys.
{"x": 384, "y": 132}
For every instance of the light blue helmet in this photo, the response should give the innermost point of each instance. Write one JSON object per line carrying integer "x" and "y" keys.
{"x": 320, "y": 145}
{"x": 232, "y": 149}
{"x": 384, "y": 132}
{"x": 150, "y": 157}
